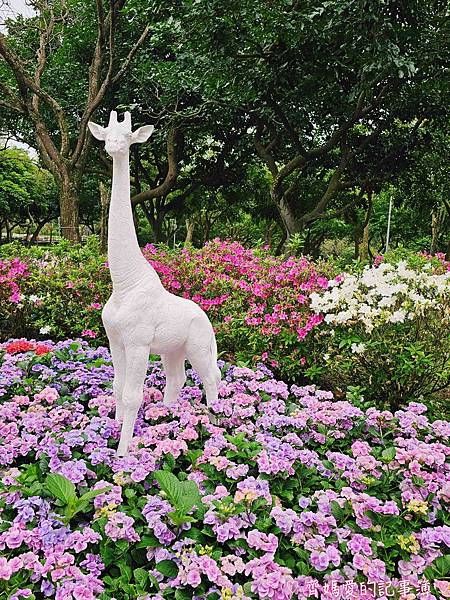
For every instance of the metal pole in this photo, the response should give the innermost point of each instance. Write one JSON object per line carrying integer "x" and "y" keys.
{"x": 388, "y": 232}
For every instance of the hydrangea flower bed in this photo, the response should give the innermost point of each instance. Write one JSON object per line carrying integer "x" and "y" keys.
{"x": 292, "y": 495}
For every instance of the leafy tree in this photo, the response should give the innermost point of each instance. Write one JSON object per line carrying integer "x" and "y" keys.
{"x": 28, "y": 194}
{"x": 336, "y": 94}
{"x": 56, "y": 69}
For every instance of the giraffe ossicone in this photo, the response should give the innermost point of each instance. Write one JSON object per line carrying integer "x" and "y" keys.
{"x": 141, "y": 316}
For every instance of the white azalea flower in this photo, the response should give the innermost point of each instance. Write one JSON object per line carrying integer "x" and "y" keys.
{"x": 45, "y": 330}
{"x": 398, "y": 316}
{"x": 358, "y": 348}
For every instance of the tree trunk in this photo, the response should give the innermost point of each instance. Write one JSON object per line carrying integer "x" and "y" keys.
{"x": 437, "y": 221}
{"x": 69, "y": 210}
{"x": 189, "y": 232}
{"x": 157, "y": 226}
{"x": 270, "y": 228}
{"x": 292, "y": 224}
{"x": 36, "y": 232}
{"x": 104, "y": 203}
{"x": 364, "y": 249}
{"x": 8, "y": 232}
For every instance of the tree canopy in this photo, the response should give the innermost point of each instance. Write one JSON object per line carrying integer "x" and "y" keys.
{"x": 320, "y": 105}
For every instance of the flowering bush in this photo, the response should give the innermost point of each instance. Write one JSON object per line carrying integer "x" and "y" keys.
{"x": 292, "y": 495}
{"x": 62, "y": 294}
{"x": 258, "y": 304}
{"x": 387, "y": 331}
{"x": 12, "y": 273}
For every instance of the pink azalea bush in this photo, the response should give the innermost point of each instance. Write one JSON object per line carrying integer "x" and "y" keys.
{"x": 61, "y": 292}
{"x": 258, "y": 303}
{"x": 12, "y": 271}
{"x": 293, "y": 495}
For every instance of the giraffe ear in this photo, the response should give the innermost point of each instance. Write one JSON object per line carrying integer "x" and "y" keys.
{"x": 142, "y": 134}
{"x": 97, "y": 131}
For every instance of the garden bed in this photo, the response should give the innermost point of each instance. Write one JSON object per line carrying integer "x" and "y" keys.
{"x": 294, "y": 494}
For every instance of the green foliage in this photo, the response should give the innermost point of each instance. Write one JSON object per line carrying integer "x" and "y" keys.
{"x": 27, "y": 192}
{"x": 184, "y": 496}
{"x": 64, "y": 490}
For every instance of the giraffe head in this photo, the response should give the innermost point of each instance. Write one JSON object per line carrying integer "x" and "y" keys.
{"x": 118, "y": 137}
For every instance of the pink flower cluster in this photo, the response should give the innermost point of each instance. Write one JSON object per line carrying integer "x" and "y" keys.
{"x": 12, "y": 271}
{"x": 244, "y": 289}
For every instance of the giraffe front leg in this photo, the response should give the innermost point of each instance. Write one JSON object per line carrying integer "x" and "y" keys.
{"x": 133, "y": 392}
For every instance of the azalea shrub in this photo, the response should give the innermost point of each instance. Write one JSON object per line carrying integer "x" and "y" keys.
{"x": 258, "y": 303}
{"x": 12, "y": 274}
{"x": 386, "y": 330}
{"x": 61, "y": 292}
{"x": 293, "y": 494}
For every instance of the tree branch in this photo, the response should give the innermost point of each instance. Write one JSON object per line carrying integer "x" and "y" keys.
{"x": 264, "y": 151}
{"x": 172, "y": 171}
{"x": 97, "y": 92}
{"x": 26, "y": 83}
{"x": 131, "y": 54}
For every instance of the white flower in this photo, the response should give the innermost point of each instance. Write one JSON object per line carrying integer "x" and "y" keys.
{"x": 45, "y": 330}
{"x": 398, "y": 316}
{"x": 358, "y": 348}
{"x": 326, "y": 357}
{"x": 33, "y": 298}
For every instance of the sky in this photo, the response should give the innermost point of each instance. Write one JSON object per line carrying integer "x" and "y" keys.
{"x": 10, "y": 9}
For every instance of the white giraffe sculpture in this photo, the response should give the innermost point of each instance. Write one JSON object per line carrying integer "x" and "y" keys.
{"x": 141, "y": 317}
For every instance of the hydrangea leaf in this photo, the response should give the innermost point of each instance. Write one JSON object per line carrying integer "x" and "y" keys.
{"x": 61, "y": 487}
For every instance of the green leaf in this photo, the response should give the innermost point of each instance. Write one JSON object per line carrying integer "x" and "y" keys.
{"x": 336, "y": 510}
{"x": 148, "y": 541}
{"x": 169, "y": 462}
{"x": 441, "y": 566}
{"x": 140, "y": 576}
{"x": 328, "y": 464}
{"x": 183, "y": 594}
{"x": 388, "y": 454}
{"x": 168, "y": 568}
{"x": 91, "y": 494}
{"x": 60, "y": 487}
{"x": 193, "y": 455}
{"x": 247, "y": 588}
{"x": 179, "y": 518}
{"x": 190, "y": 496}
{"x": 125, "y": 571}
{"x": 170, "y": 485}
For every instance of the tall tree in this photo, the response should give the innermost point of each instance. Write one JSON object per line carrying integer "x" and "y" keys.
{"x": 56, "y": 101}
{"x": 335, "y": 93}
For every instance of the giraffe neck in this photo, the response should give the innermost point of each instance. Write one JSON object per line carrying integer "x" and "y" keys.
{"x": 127, "y": 264}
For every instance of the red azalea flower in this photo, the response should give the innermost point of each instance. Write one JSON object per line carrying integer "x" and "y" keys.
{"x": 42, "y": 349}
{"x": 19, "y": 346}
